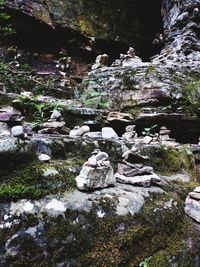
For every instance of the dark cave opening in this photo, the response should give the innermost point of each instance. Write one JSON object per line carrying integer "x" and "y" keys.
{"x": 183, "y": 131}
{"x": 138, "y": 24}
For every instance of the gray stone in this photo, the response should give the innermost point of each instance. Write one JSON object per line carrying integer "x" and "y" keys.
{"x": 17, "y": 131}
{"x": 56, "y": 115}
{"x": 109, "y": 133}
{"x": 139, "y": 180}
{"x": 95, "y": 178}
{"x": 53, "y": 124}
{"x": 192, "y": 208}
{"x": 129, "y": 171}
{"x": 94, "y": 135}
{"x": 197, "y": 189}
{"x": 194, "y": 195}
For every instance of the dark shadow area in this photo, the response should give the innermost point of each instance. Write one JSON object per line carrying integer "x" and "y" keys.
{"x": 136, "y": 23}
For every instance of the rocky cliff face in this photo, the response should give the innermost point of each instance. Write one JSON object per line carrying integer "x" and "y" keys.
{"x": 98, "y": 160}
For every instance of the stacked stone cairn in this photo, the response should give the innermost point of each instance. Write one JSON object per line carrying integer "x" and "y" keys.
{"x": 129, "y": 59}
{"x": 55, "y": 125}
{"x": 130, "y": 133}
{"x": 97, "y": 172}
{"x": 133, "y": 171}
{"x": 164, "y": 137}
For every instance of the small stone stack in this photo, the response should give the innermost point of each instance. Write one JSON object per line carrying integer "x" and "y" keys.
{"x": 192, "y": 204}
{"x": 133, "y": 170}
{"x": 55, "y": 125}
{"x": 129, "y": 59}
{"x": 164, "y": 138}
{"x": 8, "y": 117}
{"x": 97, "y": 173}
{"x": 164, "y": 134}
{"x": 130, "y": 133}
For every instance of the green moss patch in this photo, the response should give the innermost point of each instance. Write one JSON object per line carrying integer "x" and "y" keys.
{"x": 168, "y": 160}
{"x": 29, "y": 181}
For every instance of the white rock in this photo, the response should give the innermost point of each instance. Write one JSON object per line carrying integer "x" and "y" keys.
{"x": 92, "y": 161}
{"x": 79, "y": 131}
{"x": 147, "y": 139}
{"x": 56, "y": 205}
{"x": 50, "y": 172}
{"x": 5, "y": 133}
{"x": 197, "y": 189}
{"x": 28, "y": 206}
{"x": 83, "y": 130}
{"x": 108, "y": 133}
{"x": 17, "y": 131}
{"x": 44, "y": 157}
{"x": 56, "y": 115}
{"x": 94, "y": 178}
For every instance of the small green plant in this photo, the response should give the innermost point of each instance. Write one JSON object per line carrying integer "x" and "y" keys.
{"x": 96, "y": 99}
{"x": 191, "y": 97}
{"x": 145, "y": 262}
{"x": 150, "y": 130}
{"x": 5, "y": 28}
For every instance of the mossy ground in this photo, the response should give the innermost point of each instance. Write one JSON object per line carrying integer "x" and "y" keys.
{"x": 168, "y": 160}
{"x": 26, "y": 180}
{"x": 157, "y": 233}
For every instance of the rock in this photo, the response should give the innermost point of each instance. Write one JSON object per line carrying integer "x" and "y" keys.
{"x": 17, "y": 131}
{"x": 95, "y": 178}
{"x": 9, "y": 114}
{"x": 96, "y": 172}
{"x": 130, "y": 128}
{"x": 117, "y": 116}
{"x": 134, "y": 157}
{"x": 53, "y": 124}
{"x": 27, "y": 94}
{"x": 56, "y": 115}
{"x": 5, "y": 133}
{"x": 139, "y": 180}
{"x": 147, "y": 139}
{"x": 194, "y": 195}
{"x": 197, "y": 189}
{"x": 130, "y": 171}
{"x": 50, "y": 172}
{"x": 79, "y": 131}
{"x": 44, "y": 157}
{"x": 192, "y": 208}
{"x": 95, "y": 135}
{"x": 109, "y": 133}
{"x": 102, "y": 59}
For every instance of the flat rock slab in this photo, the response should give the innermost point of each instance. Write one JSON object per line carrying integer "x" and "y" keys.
{"x": 192, "y": 208}
{"x": 139, "y": 180}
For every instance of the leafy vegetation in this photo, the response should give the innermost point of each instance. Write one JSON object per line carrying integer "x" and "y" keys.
{"x": 191, "y": 97}
{"x": 96, "y": 99}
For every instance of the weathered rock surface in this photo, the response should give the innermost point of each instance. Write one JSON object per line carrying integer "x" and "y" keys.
{"x": 96, "y": 173}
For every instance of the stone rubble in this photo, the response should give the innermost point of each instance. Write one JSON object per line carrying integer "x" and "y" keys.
{"x": 133, "y": 171}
